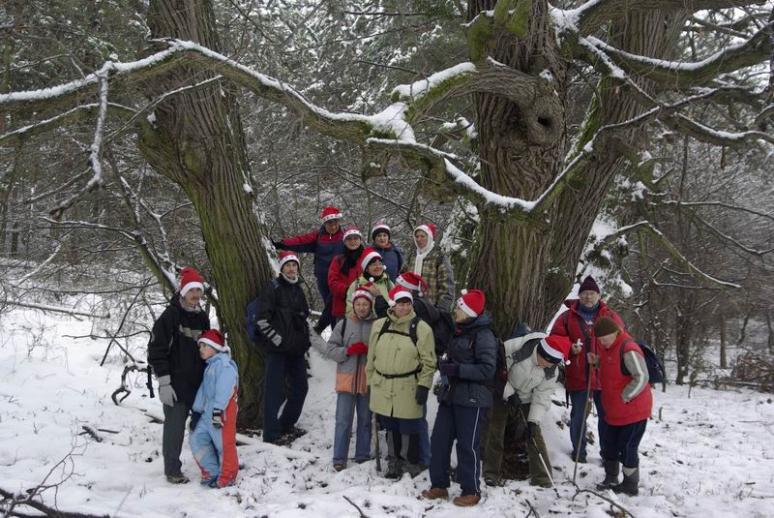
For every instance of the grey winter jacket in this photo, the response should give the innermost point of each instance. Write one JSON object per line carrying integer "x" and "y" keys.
{"x": 350, "y": 370}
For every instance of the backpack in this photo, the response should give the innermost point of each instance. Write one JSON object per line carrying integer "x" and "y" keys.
{"x": 653, "y": 362}
{"x": 411, "y": 334}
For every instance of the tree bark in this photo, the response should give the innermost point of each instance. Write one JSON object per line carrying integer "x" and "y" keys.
{"x": 198, "y": 143}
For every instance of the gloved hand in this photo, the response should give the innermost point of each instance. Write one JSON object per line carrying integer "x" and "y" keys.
{"x": 195, "y": 416}
{"x": 533, "y": 429}
{"x": 357, "y": 349}
{"x": 218, "y": 418}
{"x": 449, "y": 369}
{"x": 514, "y": 401}
{"x": 166, "y": 392}
{"x": 421, "y": 394}
{"x": 277, "y": 244}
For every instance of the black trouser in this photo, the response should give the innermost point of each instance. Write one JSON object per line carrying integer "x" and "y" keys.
{"x": 173, "y": 435}
{"x": 621, "y": 443}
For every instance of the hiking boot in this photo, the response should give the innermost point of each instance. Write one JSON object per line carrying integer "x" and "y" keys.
{"x": 293, "y": 433}
{"x": 394, "y": 468}
{"x": 581, "y": 458}
{"x": 360, "y": 461}
{"x": 282, "y": 440}
{"x": 178, "y": 478}
{"x": 630, "y": 483}
{"x": 435, "y": 493}
{"x": 467, "y": 500}
{"x": 493, "y": 481}
{"x": 339, "y": 466}
{"x": 538, "y": 482}
{"x": 413, "y": 469}
{"x": 611, "y": 475}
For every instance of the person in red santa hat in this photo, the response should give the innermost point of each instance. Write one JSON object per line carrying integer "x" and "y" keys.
{"x": 467, "y": 367}
{"x": 283, "y": 333}
{"x": 392, "y": 254}
{"x": 325, "y": 243}
{"x": 533, "y": 361}
{"x": 344, "y": 270}
{"x": 434, "y": 267}
{"x": 174, "y": 358}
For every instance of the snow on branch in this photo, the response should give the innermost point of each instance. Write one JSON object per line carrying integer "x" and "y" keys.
{"x": 704, "y": 133}
{"x": 669, "y": 247}
{"x": 590, "y": 16}
{"x": 681, "y": 74}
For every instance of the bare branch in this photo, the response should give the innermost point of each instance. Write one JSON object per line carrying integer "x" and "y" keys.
{"x": 594, "y": 13}
{"x": 768, "y": 215}
{"x": 670, "y": 248}
{"x": 680, "y": 75}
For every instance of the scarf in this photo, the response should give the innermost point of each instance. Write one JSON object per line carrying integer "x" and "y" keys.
{"x": 191, "y": 309}
{"x": 350, "y": 259}
{"x": 421, "y": 254}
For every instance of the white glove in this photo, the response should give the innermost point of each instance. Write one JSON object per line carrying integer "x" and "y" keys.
{"x": 166, "y": 392}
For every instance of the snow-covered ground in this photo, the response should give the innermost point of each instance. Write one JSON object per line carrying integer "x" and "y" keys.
{"x": 709, "y": 455}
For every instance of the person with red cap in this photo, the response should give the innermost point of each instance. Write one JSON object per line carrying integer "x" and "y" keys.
{"x": 533, "y": 361}
{"x": 174, "y": 358}
{"x": 399, "y": 371}
{"x": 375, "y": 279}
{"x": 348, "y": 346}
{"x": 434, "y": 267}
{"x": 213, "y": 421}
{"x": 283, "y": 333}
{"x": 344, "y": 270}
{"x": 628, "y": 400}
{"x": 325, "y": 244}
{"x": 577, "y": 324}
{"x": 392, "y": 254}
{"x": 467, "y": 367}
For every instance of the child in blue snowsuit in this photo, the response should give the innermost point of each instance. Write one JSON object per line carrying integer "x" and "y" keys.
{"x": 213, "y": 424}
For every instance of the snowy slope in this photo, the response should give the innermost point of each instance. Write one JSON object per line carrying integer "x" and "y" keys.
{"x": 708, "y": 456}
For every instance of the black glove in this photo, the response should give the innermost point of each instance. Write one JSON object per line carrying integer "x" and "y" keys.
{"x": 277, "y": 244}
{"x": 421, "y": 394}
{"x": 514, "y": 401}
{"x": 218, "y": 419}
{"x": 195, "y": 416}
{"x": 533, "y": 429}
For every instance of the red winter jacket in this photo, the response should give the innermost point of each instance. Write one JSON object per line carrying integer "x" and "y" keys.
{"x": 323, "y": 245}
{"x": 618, "y": 413}
{"x": 569, "y": 324}
{"x": 339, "y": 284}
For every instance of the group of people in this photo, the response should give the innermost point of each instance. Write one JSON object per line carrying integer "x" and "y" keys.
{"x": 395, "y": 323}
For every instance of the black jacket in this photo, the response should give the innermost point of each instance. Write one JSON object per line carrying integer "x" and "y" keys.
{"x": 173, "y": 350}
{"x": 282, "y": 310}
{"x": 474, "y": 348}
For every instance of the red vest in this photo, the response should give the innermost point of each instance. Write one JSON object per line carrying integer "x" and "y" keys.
{"x": 569, "y": 324}
{"x": 614, "y": 381}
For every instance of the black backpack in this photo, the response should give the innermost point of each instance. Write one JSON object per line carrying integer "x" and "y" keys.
{"x": 411, "y": 334}
{"x": 655, "y": 365}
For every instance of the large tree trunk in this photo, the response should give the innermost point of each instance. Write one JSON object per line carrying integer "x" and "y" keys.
{"x": 198, "y": 143}
{"x": 528, "y": 268}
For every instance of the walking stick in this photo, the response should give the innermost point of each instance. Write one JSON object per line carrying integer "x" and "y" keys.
{"x": 376, "y": 446}
{"x": 583, "y": 426}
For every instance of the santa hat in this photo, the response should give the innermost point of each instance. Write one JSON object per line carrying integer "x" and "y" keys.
{"x": 397, "y": 293}
{"x": 472, "y": 302}
{"x": 589, "y": 284}
{"x": 352, "y": 231}
{"x": 555, "y": 348}
{"x": 214, "y": 339}
{"x": 362, "y": 291}
{"x": 190, "y": 279}
{"x": 380, "y": 226}
{"x": 412, "y": 281}
{"x": 427, "y": 228}
{"x": 368, "y": 255}
{"x": 330, "y": 213}
{"x": 286, "y": 256}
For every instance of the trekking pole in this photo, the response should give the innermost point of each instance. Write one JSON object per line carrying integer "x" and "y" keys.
{"x": 583, "y": 427}
{"x": 540, "y": 455}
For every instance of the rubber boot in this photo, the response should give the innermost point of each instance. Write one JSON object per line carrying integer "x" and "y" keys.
{"x": 611, "y": 475}
{"x": 630, "y": 483}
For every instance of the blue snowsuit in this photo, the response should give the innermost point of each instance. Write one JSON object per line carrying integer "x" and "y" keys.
{"x": 215, "y": 448}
